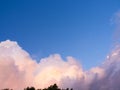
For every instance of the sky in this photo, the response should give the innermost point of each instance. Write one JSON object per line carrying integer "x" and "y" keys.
{"x": 75, "y": 44}
{"x": 79, "y": 28}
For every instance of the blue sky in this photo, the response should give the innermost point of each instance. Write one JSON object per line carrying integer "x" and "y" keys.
{"x": 78, "y": 28}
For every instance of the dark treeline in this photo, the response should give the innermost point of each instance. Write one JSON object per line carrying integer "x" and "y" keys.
{"x": 51, "y": 87}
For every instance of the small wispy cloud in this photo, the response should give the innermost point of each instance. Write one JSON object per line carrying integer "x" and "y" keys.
{"x": 116, "y": 22}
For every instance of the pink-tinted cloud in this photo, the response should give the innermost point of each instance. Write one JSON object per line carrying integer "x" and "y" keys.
{"x": 18, "y": 70}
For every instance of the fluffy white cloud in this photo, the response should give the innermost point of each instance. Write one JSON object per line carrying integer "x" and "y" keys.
{"x": 18, "y": 70}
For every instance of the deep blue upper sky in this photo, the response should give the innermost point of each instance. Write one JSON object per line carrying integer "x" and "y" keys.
{"x": 78, "y": 28}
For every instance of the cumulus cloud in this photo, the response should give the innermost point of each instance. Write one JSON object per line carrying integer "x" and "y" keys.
{"x": 19, "y": 70}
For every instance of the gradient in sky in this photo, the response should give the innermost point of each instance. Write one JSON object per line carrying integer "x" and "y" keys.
{"x": 78, "y": 28}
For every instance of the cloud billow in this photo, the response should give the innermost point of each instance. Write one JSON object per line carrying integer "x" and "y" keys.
{"x": 18, "y": 70}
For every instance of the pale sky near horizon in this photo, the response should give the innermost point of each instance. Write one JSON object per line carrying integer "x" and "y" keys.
{"x": 78, "y": 28}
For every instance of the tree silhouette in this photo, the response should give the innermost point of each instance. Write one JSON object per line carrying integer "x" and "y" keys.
{"x": 67, "y": 89}
{"x": 7, "y": 89}
{"x": 29, "y": 88}
{"x": 51, "y": 87}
